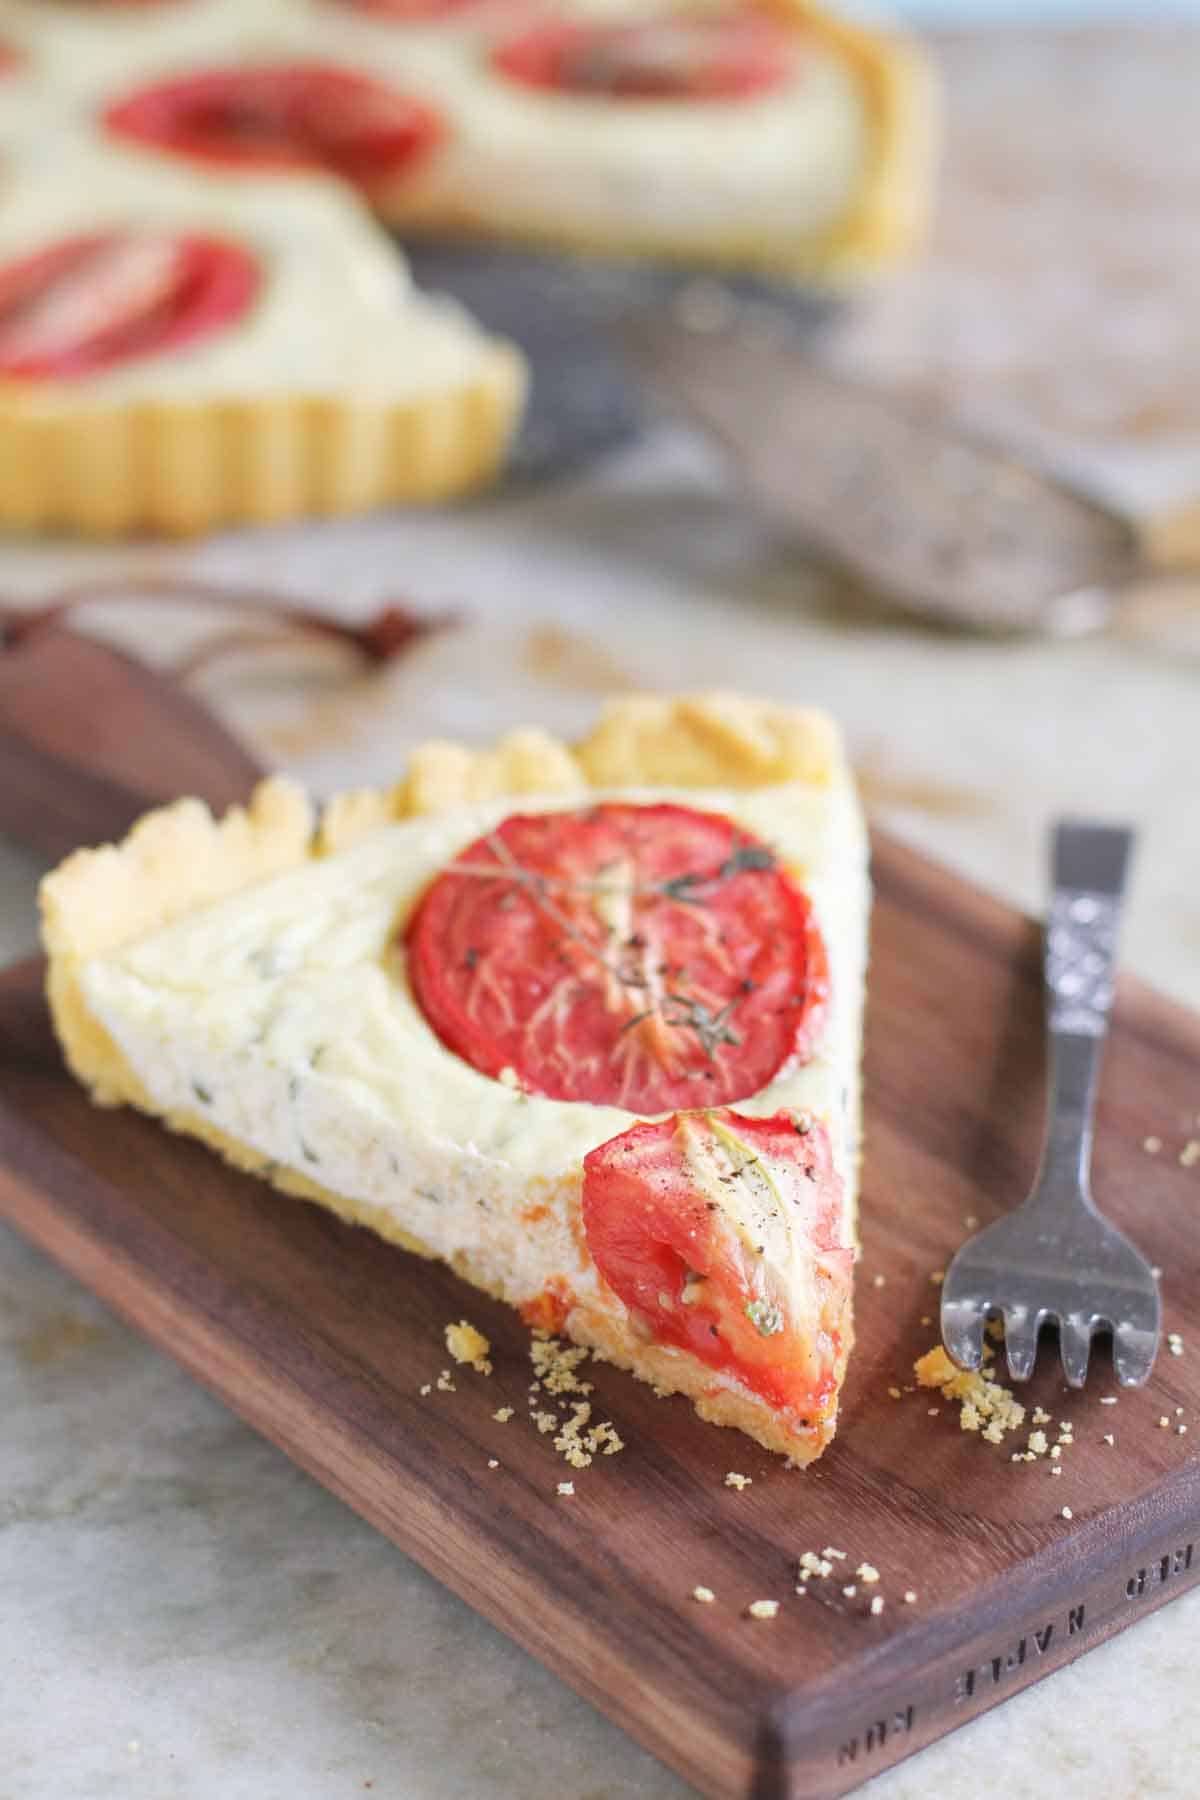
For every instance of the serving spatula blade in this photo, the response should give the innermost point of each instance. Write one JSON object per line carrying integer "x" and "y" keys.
{"x": 907, "y": 505}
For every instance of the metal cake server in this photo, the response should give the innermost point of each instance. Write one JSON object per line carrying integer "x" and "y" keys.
{"x": 916, "y": 511}
{"x": 1056, "y": 1258}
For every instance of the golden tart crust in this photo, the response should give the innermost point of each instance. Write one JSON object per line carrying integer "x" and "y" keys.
{"x": 179, "y": 858}
{"x": 190, "y": 466}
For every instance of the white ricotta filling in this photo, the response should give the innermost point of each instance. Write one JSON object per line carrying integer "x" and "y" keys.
{"x": 283, "y": 1017}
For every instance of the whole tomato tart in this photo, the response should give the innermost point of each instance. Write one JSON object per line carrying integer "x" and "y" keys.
{"x": 582, "y": 1021}
{"x": 764, "y": 134}
{"x": 177, "y": 355}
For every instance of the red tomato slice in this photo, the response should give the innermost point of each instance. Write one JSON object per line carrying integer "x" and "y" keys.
{"x": 284, "y": 116}
{"x": 87, "y": 302}
{"x": 10, "y": 58}
{"x": 651, "y": 957}
{"x": 722, "y": 1235}
{"x": 729, "y": 56}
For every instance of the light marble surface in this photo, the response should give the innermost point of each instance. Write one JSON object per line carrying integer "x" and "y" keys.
{"x": 182, "y": 1613}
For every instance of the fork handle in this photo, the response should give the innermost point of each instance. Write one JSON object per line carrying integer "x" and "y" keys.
{"x": 1089, "y": 864}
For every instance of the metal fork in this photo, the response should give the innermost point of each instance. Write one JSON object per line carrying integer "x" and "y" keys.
{"x": 1055, "y": 1258}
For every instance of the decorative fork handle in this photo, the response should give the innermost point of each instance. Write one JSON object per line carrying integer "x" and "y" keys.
{"x": 1089, "y": 870}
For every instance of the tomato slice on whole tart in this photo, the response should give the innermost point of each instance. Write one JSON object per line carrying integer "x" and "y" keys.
{"x": 722, "y": 1234}
{"x": 283, "y": 116}
{"x": 87, "y": 302}
{"x": 652, "y": 957}
{"x": 725, "y": 56}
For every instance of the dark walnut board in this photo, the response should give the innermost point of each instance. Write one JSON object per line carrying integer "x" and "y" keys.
{"x": 320, "y": 1336}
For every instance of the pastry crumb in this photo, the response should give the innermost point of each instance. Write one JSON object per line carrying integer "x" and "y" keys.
{"x": 893, "y": 1393}
{"x": 1181, "y": 1430}
{"x": 427, "y": 1388}
{"x": 1152, "y": 1145}
{"x": 910, "y": 1596}
{"x": 937, "y": 1277}
{"x": 1041, "y": 1416}
{"x": 444, "y": 1383}
{"x": 493, "y": 1463}
{"x": 1038, "y": 1443}
{"x": 1164, "y": 1424}
{"x": 1108, "y": 1399}
{"x": 877, "y": 1605}
{"x": 763, "y": 1609}
{"x": 566, "y": 1489}
{"x": 1174, "y": 1343}
{"x": 466, "y": 1345}
{"x": 879, "y": 1281}
{"x": 867, "y": 1572}
{"x": 1067, "y": 1513}
{"x": 1109, "y": 1438}
{"x": 503, "y": 1414}
{"x": 837, "y": 1555}
{"x": 734, "y": 1480}
{"x": 556, "y": 1364}
{"x": 704, "y": 1595}
{"x": 1189, "y": 1156}
{"x": 984, "y": 1405}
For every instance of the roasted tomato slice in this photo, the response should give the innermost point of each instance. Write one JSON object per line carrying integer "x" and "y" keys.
{"x": 283, "y": 116}
{"x": 86, "y": 302}
{"x": 650, "y": 957}
{"x": 723, "y": 1236}
{"x": 727, "y": 56}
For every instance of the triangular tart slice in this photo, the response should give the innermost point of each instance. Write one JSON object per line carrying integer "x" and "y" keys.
{"x": 584, "y": 1022}
{"x": 179, "y": 353}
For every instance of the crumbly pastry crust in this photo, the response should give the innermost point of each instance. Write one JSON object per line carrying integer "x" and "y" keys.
{"x": 179, "y": 858}
{"x": 179, "y": 468}
{"x": 886, "y": 222}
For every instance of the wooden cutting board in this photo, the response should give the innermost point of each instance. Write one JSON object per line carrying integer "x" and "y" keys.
{"x": 322, "y": 1338}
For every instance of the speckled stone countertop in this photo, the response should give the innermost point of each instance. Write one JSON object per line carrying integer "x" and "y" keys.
{"x": 183, "y": 1613}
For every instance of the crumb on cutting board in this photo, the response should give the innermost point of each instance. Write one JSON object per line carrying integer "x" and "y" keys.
{"x": 466, "y": 1345}
{"x": 985, "y": 1405}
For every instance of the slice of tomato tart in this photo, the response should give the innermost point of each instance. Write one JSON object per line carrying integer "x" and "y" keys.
{"x": 180, "y": 353}
{"x": 584, "y": 1022}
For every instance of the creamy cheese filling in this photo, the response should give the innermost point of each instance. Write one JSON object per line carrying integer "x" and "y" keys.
{"x": 336, "y": 312}
{"x": 283, "y": 1018}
